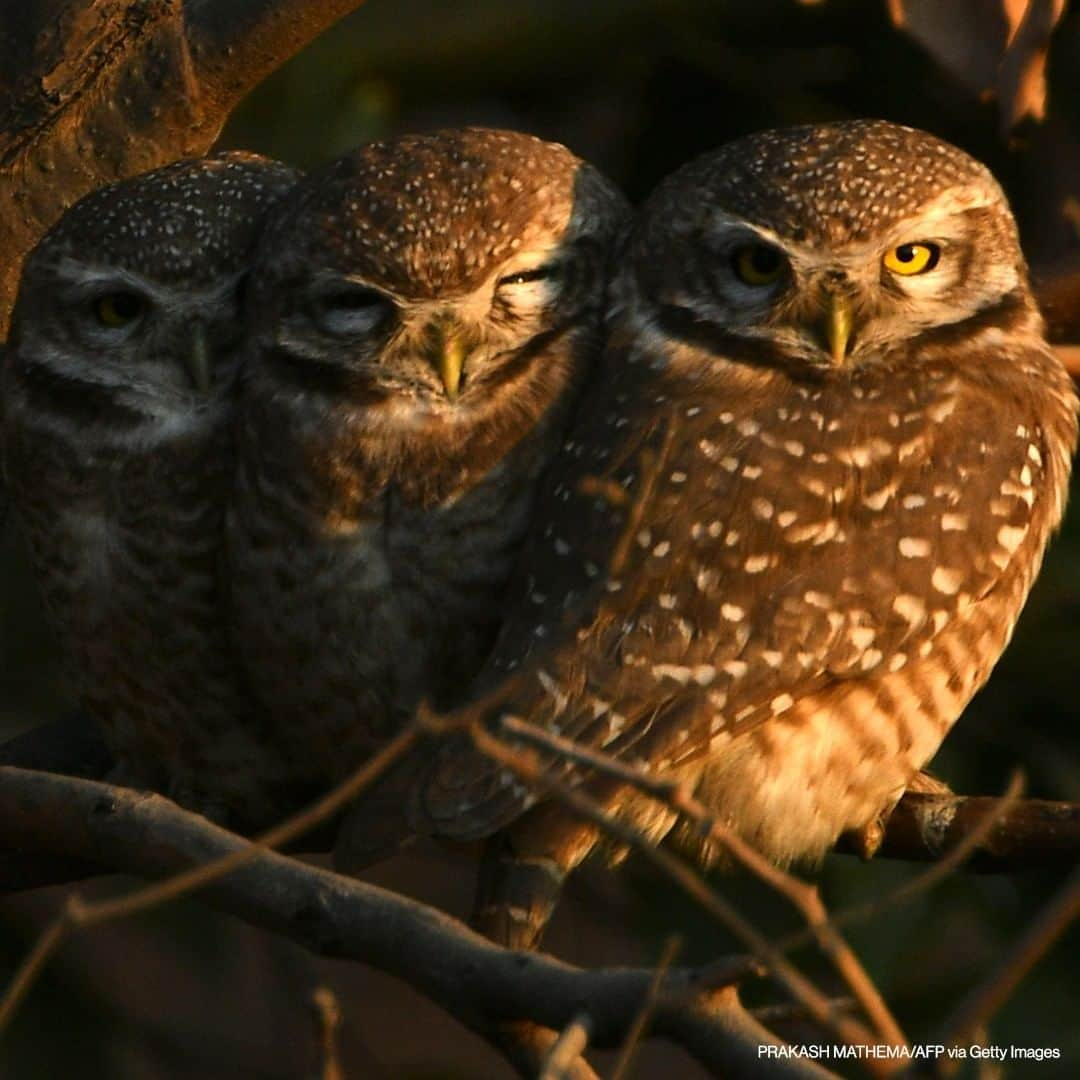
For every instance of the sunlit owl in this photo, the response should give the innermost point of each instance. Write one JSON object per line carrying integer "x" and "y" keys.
{"x": 804, "y": 500}
{"x": 117, "y": 398}
{"x": 425, "y": 310}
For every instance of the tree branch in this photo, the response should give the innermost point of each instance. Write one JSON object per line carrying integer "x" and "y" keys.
{"x": 800, "y": 894}
{"x": 1031, "y": 833}
{"x": 985, "y": 999}
{"x": 235, "y": 44}
{"x": 479, "y": 983}
{"x": 527, "y": 767}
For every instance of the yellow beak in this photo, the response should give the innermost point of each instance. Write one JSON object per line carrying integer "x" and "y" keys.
{"x": 198, "y": 361}
{"x": 838, "y": 322}
{"x": 451, "y": 361}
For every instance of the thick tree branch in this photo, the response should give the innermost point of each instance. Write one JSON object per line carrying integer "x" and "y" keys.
{"x": 528, "y": 769}
{"x": 802, "y": 895}
{"x": 235, "y": 44}
{"x": 98, "y": 90}
{"x": 1031, "y": 833}
{"x": 475, "y": 981}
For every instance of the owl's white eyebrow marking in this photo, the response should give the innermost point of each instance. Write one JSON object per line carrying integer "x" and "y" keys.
{"x": 87, "y": 280}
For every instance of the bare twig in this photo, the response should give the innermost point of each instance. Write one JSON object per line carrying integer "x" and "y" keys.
{"x": 477, "y": 982}
{"x": 652, "y": 467}
{"x": 804, "y": 897}
{"x": 526, "y": 767}
{"x": 641, "y": 1022}
{"x": 327, "y": 1016}
{"x": 985, "y": 999}
{"x": 77, "y": 913}
{"x": 564, "y": 1059}
{"x": 791, "y": 1012}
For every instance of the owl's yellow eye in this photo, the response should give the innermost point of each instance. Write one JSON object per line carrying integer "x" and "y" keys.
{"x": 909, "y": 259}
{"x": 757, "y": 264}
{"x": 117, "y": 309}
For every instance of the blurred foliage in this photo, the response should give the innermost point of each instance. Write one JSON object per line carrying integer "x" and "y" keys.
{"x": 638, "y": 87}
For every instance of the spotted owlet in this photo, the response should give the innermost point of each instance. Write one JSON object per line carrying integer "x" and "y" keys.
{"x": 426, "y": 309}
{"x": 800, "y": 511}
{"x": 117, "y": 400}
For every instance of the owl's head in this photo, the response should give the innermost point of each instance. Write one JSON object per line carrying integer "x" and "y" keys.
{"x": 428, "y": 270}
{"x": 827, "y": 246}
{"x": 128, "y": 308}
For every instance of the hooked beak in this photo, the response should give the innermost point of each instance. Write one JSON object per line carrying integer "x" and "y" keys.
{"x": 450, "y": 360}
{"x": 197, "y": 360}
{"x": 838, "y": 326}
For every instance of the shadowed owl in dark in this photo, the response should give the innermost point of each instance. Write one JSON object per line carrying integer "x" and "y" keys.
{"x": 426, "y": 308}
{"x": 799, "y": 513}
{"x": 117, "y": 394}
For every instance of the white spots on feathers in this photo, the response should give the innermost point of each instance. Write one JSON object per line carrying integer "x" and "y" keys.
{"x": 913, "y": 547}
{"x": 910, "y": 608}
{"x": 877, "y": 500}
{"x": 677, "y": 672}
{"x": 1010, "y": 537}
{"x": 947, "y": 580}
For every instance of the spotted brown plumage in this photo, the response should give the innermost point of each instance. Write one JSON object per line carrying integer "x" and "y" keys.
{"x": 426, "y": 308}
{"x": 117, "y": 400}
{"x": 797, "y": 519}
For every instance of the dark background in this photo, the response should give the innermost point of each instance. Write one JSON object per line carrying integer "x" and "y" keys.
{"x": 638, "y": 87}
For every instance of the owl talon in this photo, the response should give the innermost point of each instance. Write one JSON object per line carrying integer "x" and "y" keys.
{"x": 867, "y": 840}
